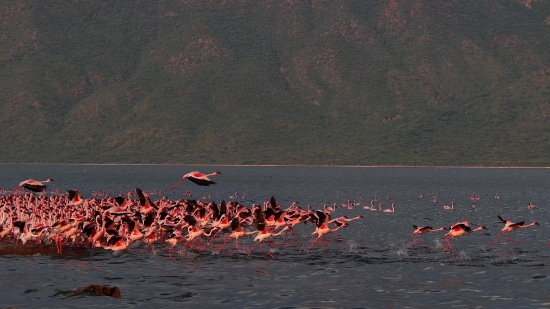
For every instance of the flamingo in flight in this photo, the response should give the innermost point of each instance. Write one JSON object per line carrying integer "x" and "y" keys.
{"x": 459, "y": 229}
{"x": 34, "y": 185}
{"x": 419, "y": 230}
{"x": 509, "y": 226}
{"x": 198, "y": 178}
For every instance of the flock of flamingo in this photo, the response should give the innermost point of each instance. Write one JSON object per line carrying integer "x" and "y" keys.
{"x": 113, "y": 223}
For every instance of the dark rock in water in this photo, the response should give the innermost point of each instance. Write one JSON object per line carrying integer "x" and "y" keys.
{"x": 100, "y": 290}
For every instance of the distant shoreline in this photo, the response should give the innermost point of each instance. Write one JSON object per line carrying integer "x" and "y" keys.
{"x": 283, "y": 165}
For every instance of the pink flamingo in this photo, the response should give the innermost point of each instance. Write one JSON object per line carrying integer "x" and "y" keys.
{"x": 509, "y": 226}
{"x": 457, "y": 230}
{"x": 452, "y": 207}
{"x": 33, "y": 185}
{"x": 419, "y": 230}
{"x": 75, "y": 198}
{"x": 198, "y": 178}
{"x": 263, "y": 232}
{"x": 236, "y": 234}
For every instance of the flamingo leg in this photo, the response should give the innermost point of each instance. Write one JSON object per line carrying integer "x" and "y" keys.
{"x": 174, "y": 186}
{"x": 237, "y": 247}
{"x": 214, "y": 236}
{"x": 170, "y": 252}
{"x": 252, "y": 248}
{"x": 514, "y": 240}
{"x": 291, "y": 230}
{"x": 312, "y": 244}
{"x": 271, "y": 255}
{"x": 498, "y": 236}
{"x": 226, "y": 240}
{"x": 419, "y": 239}
{"x": 185, "y": 245}
{"x": 448, "y": 244}
{"x": 414, "y": 240}
{"x": 200, "y": 245}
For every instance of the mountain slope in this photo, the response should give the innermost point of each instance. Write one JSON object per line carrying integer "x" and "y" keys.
{"x": 276, "y": 82}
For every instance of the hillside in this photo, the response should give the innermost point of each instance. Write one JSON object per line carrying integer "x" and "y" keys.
{"x": 353, "y": 82}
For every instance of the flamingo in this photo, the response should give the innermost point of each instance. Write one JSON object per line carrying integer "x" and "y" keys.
{"x": 263, "y": 232}
{"x": 198, "y": 178}
{"x": 452, "y": 207}
{"x": 343, "y": 221}
{"x": 323, "y": 219}
{"x": 33, "y": 185}
{"x": 194, "y": 232}
{"x": 390, "y": 210}
{"x": 509, "y": 226}
{"x": 177, "y": 238}
{"x": 419, "y": 230}
{"x": 75, "y": 198}
{"x": 459, "y": 229}
{"x": 116, "y": 243}
{"x": 236, "y": 234}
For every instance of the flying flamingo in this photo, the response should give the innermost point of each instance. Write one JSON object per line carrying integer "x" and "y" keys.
{"x": 343, "y": 220}
{"x": 33, "y": 185}
{"x": 419, "y": 230}
{"x": 459, "y": 229}
{"x": 198, "y": 178}
{"x": 509, "y": 226}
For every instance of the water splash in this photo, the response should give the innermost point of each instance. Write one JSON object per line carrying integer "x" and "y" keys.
{"x": 505, "y": 259}
{"x": 403, "y": 251}
{"x": 352, "y": 246}
{"x": 462, "y": 255}
{"x": 438, "y": 244}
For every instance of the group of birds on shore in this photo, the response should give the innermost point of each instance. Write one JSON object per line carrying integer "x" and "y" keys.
{"x": 113, "y": 223}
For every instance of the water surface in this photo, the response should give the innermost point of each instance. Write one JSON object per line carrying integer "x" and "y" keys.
{"x": 370, "y": 264}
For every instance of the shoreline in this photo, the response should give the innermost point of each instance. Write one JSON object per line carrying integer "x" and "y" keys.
{"x": 286, "y": 165}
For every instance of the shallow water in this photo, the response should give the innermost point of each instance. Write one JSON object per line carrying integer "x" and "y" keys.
{"x": 370, "y": 264}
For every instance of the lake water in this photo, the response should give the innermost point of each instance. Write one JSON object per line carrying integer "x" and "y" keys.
{"x": 369, "y": 264}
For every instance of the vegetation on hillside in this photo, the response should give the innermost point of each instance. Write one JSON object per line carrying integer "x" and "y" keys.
{"x": 385, "y": 82}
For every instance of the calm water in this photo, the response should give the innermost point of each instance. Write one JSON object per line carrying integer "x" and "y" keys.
{"x": 367, "y": 265}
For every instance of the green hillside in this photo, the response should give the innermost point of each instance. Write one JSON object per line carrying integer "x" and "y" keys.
{"x": 353, "y": 82}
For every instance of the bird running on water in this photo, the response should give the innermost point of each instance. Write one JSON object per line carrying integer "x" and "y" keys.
{"x": 509, "y": 226}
